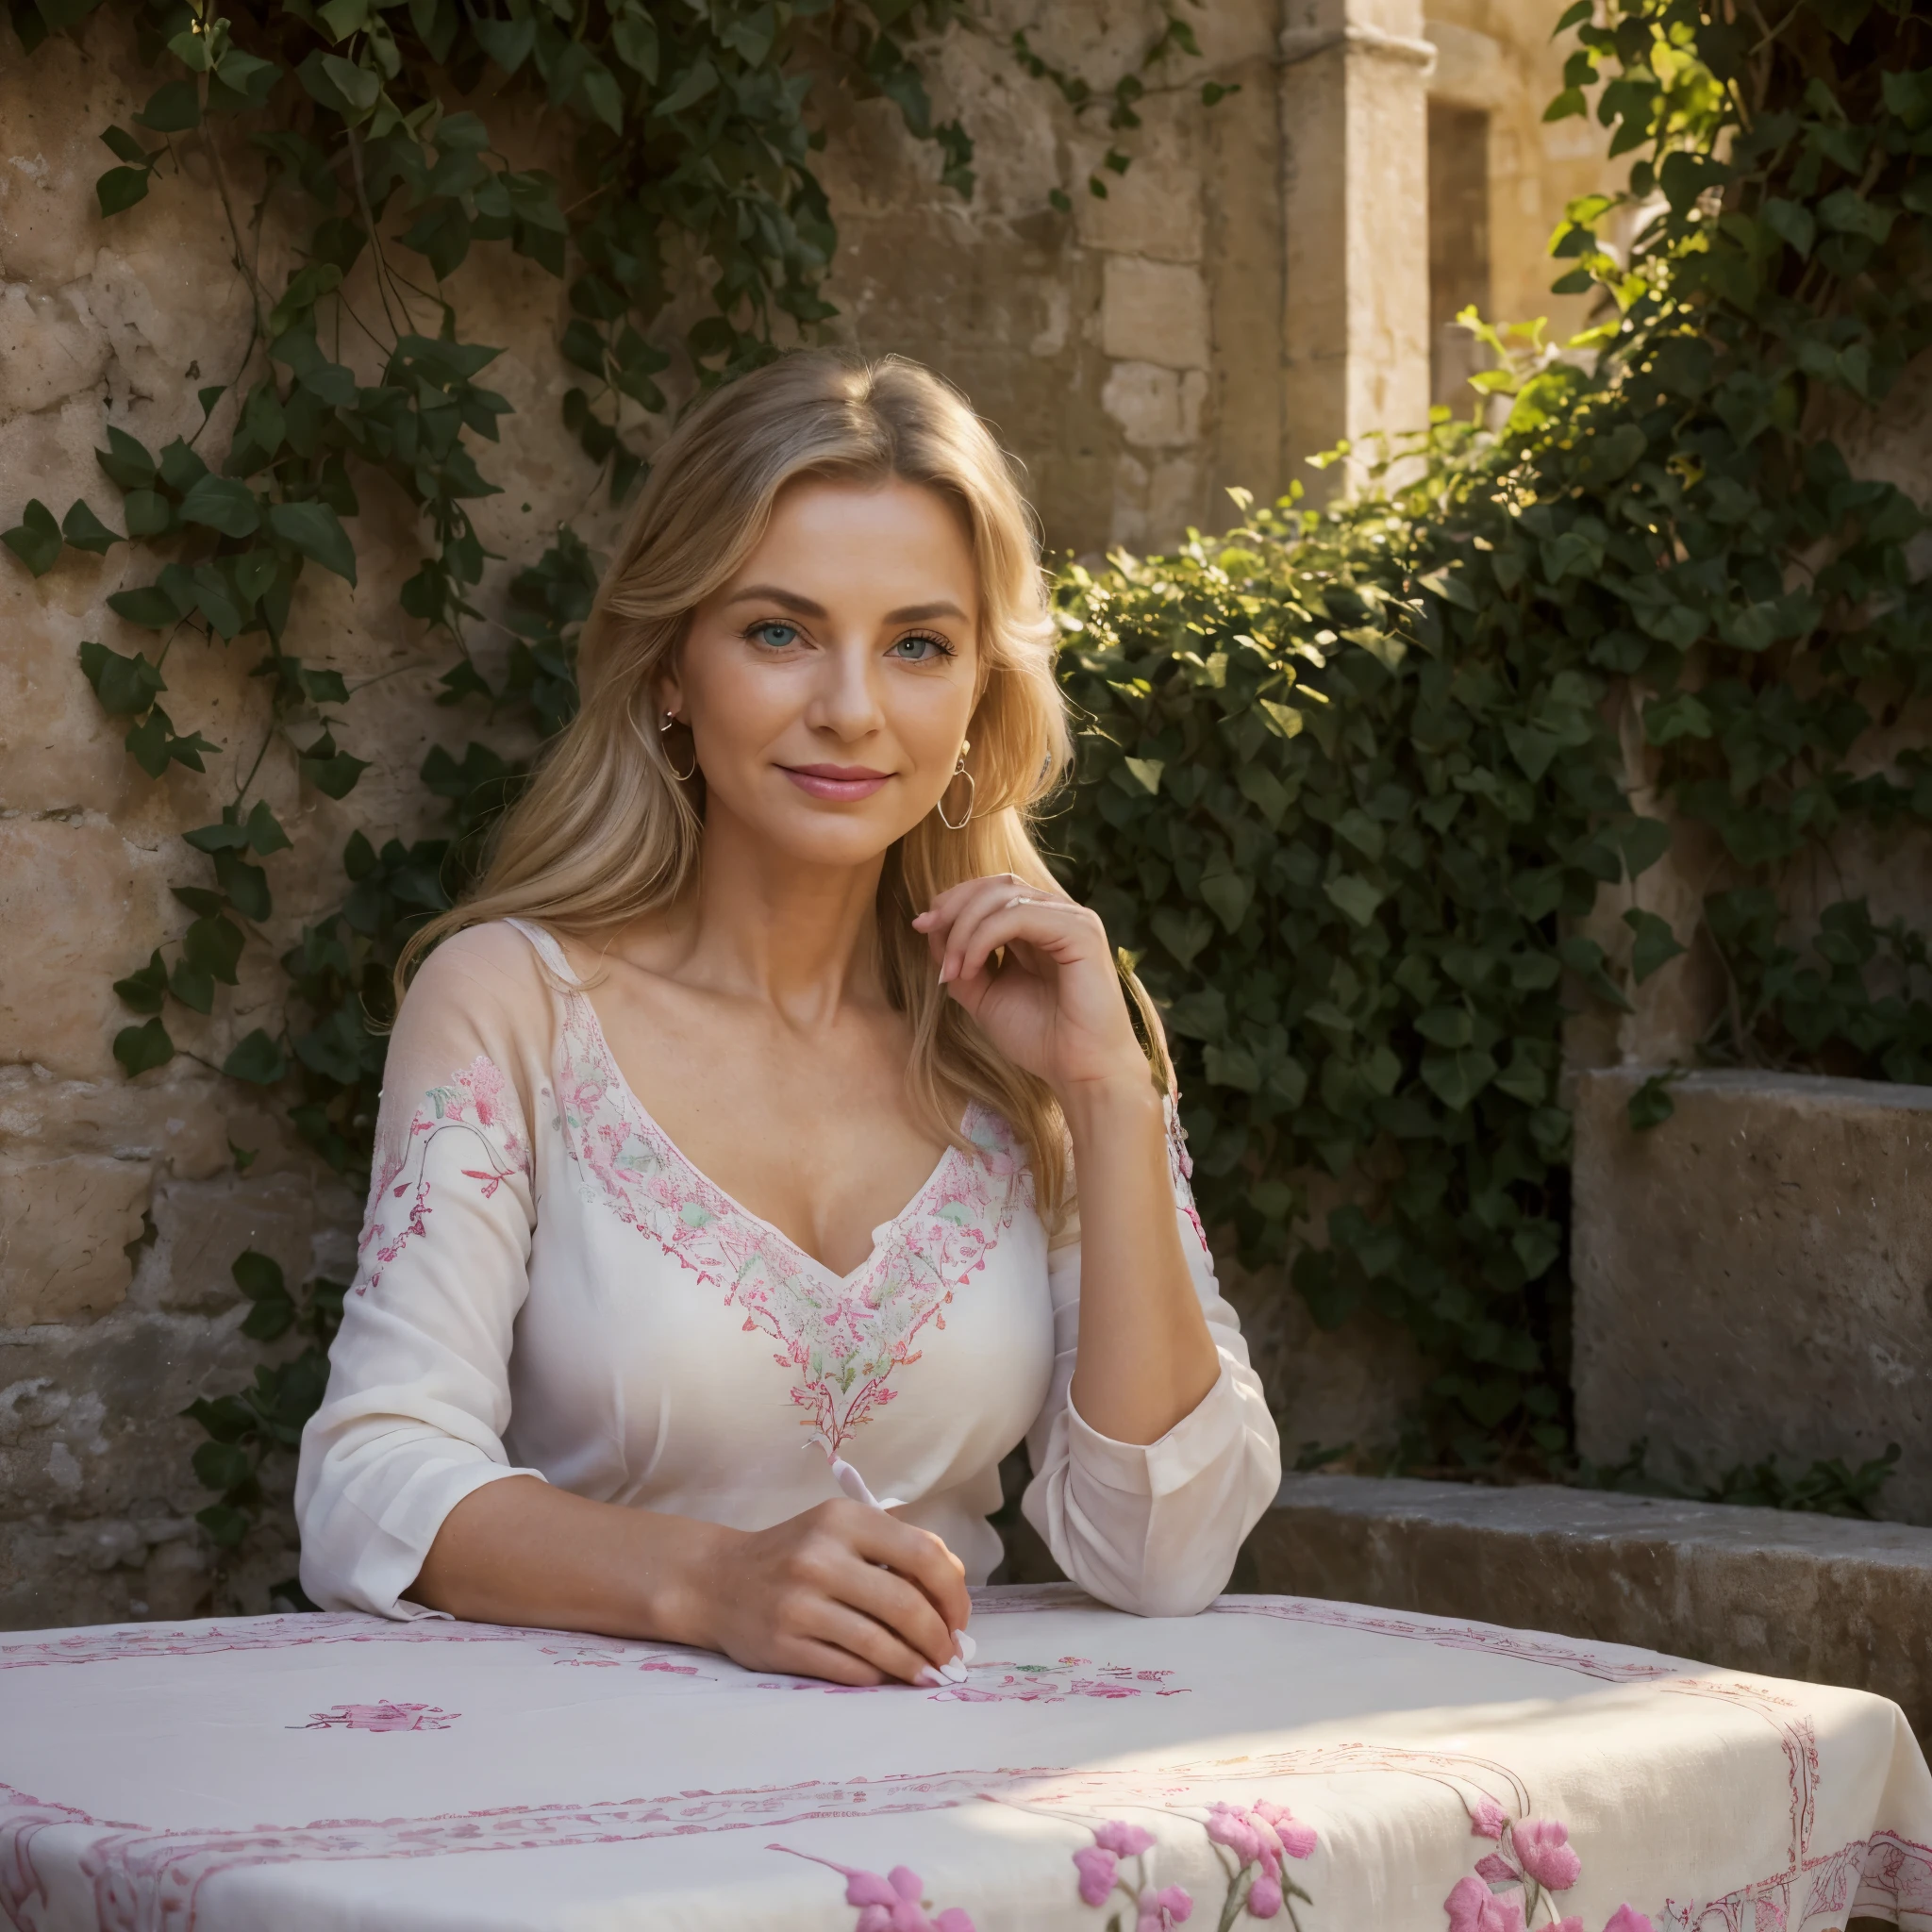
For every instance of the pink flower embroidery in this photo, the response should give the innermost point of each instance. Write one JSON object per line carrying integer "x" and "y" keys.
{"x": 1542, "y": 1848}
{"x": 891, "y": 1903}
{"x": 1159, "y": 1910}
{"x": 1261, "y": 1835}
{"x": 1123, "y": 1840}
{"x": 1487, "y": 1819}
{"x": 382, "y": 1717}
{"x": 1473, "y": 1907}
{"x": 1624, "y": 1920}
{"x": 479, "y": 1100}
{"x": 841, "y": 1337}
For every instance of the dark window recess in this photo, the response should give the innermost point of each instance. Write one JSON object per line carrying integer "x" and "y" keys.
{"x": 1459, "y": 250}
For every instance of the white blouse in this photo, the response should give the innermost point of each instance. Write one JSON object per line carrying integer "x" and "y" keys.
{"x": 547, "y": 1287}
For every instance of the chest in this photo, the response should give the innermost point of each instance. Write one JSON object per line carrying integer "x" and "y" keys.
{"x": 655, "y": 1291}
{"x": 814, "y": 1134}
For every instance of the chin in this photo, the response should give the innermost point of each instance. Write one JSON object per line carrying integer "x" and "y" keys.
{"x": 830, "y": 838}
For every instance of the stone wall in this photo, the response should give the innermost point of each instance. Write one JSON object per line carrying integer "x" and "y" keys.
{"x": 1254, "y": 288}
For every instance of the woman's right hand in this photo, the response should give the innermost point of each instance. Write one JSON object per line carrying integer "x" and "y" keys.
{"x": 842, "y": 1592}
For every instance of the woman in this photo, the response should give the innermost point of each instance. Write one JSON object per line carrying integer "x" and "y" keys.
{"x": 732, "y": 1136}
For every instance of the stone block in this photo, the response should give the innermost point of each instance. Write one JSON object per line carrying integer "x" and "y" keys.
{"x": 1813, "y": 1597}
{"x": 201, "y": 1226}
{"x": 94, "y": 903}
{"x": 1157, "y": 409}
{"x": 1754, "y": 1277}
{"x": 1154, "y": 312}
{"x": 63, "y": 1226}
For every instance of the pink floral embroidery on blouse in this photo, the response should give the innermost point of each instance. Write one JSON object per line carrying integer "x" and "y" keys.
{"x": 478, "y": 1100}
{"x": 841, "y": 1337}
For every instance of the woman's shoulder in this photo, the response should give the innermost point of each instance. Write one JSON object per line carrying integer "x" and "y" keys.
{"x": 492, "y": 974}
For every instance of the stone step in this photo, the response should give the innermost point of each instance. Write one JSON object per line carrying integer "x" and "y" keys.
{"x": 1814, "y": 1597}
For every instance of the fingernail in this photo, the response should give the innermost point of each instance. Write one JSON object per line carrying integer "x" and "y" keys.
{"x": 929, "y": 1675}
{"x": 954, "y": 1672}
{"x": 968, "y": 1649}
{"x": 945, "y": 974}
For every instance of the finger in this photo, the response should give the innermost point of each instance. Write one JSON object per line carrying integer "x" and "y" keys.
{"x": 809, "y": 1656}
{"x": 923, "y": 1558}
{"x": 1064, "y": 931}
{"x": 902, "y": 1606}
{"x": 863, "y": 1637}
{"x": 946, "y": 905}
{"x": 989, "y": 895}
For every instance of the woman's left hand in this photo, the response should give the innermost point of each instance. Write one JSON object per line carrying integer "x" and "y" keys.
{"x": 1055, "y": 1004}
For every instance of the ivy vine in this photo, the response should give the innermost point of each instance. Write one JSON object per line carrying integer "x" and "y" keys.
{"x": 1353, "y": 785}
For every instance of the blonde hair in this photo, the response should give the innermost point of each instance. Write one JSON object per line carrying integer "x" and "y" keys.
{"x": 608, "y": 830}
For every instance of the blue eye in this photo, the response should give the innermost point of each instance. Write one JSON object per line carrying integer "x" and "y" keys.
{"x": 920, "y": 647}
{"x": 775, "y": 634}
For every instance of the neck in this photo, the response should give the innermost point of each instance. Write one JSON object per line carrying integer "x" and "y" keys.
{"x": 801, "y": 939}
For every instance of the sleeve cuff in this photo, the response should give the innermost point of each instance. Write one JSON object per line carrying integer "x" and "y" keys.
{"x": 1158, "y": 1469}
{"x": 390, "y": 1557}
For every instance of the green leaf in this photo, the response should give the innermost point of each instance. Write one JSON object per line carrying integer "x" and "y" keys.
{"x": 258, "y": 1059}
{"x": 125, "y": 686}
{"x": 1657, "y": 944}
{"x": 698, "y": 80}
{"x": 36, "y": 539}
{"x": 140, "y": 1048}
{"x": 126, "y": 461}
{"x": 1651, "y": 1106}
{"x": 222, "y": 504}
{"x": 85, "y": 531}
{"x": 175, "y": 107}
{"x": 118, "y": 189}
{"x": 1456, "y": 1078}
{"x": 222, "y": 1465}
{"x": 148, "y": 609}
{"x": 314, "y": 530}
{"x": 257, "y": 1276}
{"x": 146, "y": 991}
{"x": 1354, "y": 896}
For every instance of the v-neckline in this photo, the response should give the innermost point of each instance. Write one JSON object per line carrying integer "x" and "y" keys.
{"x": 628, "y": 1096}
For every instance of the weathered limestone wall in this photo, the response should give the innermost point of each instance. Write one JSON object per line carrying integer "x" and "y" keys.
{"x": 1139, "y": 352}
{"x": 1754, "y": 1276}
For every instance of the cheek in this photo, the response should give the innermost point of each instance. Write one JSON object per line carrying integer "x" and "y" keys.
{"x": 738, "y": 703}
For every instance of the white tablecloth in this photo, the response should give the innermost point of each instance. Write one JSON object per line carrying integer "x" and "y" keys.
{"x": 1377, "y": 1772}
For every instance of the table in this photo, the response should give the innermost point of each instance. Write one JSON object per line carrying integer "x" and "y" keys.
{"x": 1330, "y": 1768}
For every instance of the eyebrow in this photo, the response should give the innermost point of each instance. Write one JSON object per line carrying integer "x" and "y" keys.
{"x": 909, "y": 613}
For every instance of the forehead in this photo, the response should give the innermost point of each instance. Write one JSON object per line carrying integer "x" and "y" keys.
{"x": 902, "y": 542}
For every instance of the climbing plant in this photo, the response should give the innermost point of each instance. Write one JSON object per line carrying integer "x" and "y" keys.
{"x": 1353, "y": 781}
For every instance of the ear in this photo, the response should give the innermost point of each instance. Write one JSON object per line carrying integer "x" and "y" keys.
{"x": 667, "y": 695}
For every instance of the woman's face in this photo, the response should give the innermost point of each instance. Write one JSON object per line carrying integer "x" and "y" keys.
{"x": 829, "y": 685}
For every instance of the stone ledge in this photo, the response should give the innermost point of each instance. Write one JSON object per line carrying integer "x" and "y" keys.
{"x": 1812, "y": 1597}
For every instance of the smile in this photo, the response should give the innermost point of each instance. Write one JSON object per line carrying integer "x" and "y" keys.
{"x": 842, "y": 783}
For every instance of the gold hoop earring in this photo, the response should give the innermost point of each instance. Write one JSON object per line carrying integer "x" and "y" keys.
{"x": 959, "y": 771}
{"x": 671, "y": 719}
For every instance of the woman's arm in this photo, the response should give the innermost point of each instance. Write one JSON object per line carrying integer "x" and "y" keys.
{"x": 1145, "y": 1357}
{"x": 1056, "y": 1008}
{"x": 1154, "y": 1453}
{"x": 842, "y": 1592}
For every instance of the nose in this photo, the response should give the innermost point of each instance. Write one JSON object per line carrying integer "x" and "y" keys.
{"x": 845, "y": 701}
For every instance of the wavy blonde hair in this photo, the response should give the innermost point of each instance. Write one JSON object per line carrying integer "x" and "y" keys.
{"x": 607, "y": 830}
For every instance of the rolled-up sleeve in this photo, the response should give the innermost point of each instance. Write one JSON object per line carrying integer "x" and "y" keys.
{"x": 418, "y": 1396}
{"x": 1153, "y": 1528}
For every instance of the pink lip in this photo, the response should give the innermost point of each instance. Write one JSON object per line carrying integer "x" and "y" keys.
{"x": 842, "y": 783}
